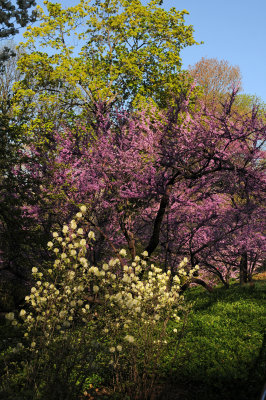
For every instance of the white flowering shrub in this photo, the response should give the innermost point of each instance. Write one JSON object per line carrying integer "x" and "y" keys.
{"x": 117, "y": 309}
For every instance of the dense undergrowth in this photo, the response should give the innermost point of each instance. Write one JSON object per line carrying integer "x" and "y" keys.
{"x": 222, "y": 353}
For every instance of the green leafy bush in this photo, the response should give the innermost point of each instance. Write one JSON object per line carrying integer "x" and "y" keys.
{"x": 81, "y": 320}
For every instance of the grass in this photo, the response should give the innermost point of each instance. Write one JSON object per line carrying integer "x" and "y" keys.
{"x": 223, "y": 353}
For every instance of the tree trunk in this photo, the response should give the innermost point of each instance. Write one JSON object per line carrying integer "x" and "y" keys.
{"x": 243, "y": 268}
{"x": 198, "y": 282}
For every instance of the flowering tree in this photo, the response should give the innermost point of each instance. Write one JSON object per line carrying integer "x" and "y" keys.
{"x": 176, "y": 184}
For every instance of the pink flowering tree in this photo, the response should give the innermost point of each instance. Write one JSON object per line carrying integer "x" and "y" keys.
{"x": 174, "y": 184}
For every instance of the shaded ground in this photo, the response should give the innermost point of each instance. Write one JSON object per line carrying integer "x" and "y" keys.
{"x": 222, "y": 355}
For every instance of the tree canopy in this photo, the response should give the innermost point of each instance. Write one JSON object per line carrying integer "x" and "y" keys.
{"x": 111, "y": 126}
{"x": 175, "y": 185}
{"x": 119, "y": 52}
{"x": 216, "y": 77}
{"x": 11, "y": 18}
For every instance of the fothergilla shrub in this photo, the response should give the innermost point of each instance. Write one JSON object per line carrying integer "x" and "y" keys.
{"x": 81, "y": 319}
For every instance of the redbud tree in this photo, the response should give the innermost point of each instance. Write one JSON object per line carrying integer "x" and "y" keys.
{"x": 175, "y": 184}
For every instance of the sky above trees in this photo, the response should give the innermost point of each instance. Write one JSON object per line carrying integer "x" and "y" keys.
{"x": 231, "y": 30}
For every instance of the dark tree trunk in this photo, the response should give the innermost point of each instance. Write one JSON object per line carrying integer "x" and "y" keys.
{"x": 198, "y": 282}
{"x": 243, "y": 268}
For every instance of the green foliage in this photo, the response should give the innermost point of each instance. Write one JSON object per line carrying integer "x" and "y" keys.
{"x": 223, "y": 351}
{"x": 221, "y": 354}
{"x": 124, "y": 53}
{"x": 245, "y": 103}
{"x": 16, "y": 187}
{"x": 94, "y": 319}
{"x": 11, "y": 18}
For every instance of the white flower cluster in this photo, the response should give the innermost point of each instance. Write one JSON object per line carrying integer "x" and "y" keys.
{"x": 117, "y": 300}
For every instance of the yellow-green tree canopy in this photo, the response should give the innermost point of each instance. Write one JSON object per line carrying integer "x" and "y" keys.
{"x": 114, "y": 51}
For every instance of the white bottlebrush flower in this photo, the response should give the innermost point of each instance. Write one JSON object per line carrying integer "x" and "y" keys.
{"x": 145, "y": 253}
{"x": 82, "y": 242}
{"x": 62, "y": 314}
{"x": 105, "y": 267}
{"x": 34, "y": 270}
{"x": 22, "y": 313}
{"x": 65, "y": 229}
{"x": 73, "y": 225}
{"x": 50, "y": 244}
{"x": 126, "y": 279}
{"x": 96, "y": 271}
{"x": 91, "y": 235}
{"x": 129, "y": 338}
{"x": 83, "y": 261}
{"x": 80, "y": 231}
{"x": 79, "y": 215}
{"x": 119, "y": 347}
{"x": 112, "y": 349}
{"x": 95, "y": 289}
{"x": 83, "y": 209}
{"x": 176, "y": 279}
{"x": 10, "y": 316}
{"x": 71, "y": 275}
{"x": 112, "y": 262}
{"x": 123, "y": 252}
{"x": 55, "y": 234}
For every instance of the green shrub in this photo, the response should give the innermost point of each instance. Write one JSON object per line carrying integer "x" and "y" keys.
{"x": 81, "y": 320}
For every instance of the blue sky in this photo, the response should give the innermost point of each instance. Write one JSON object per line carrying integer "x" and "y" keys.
{"x": 233, "y": 30}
